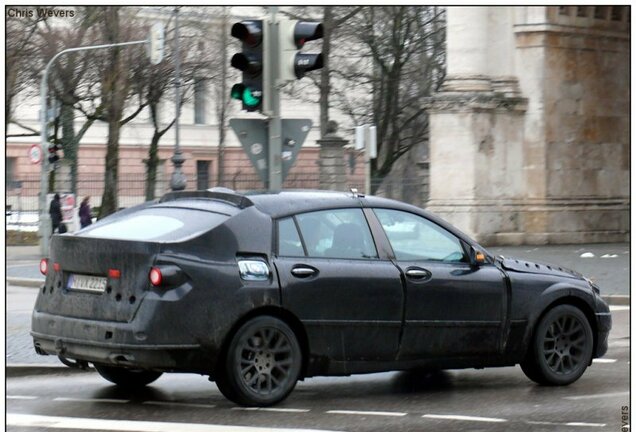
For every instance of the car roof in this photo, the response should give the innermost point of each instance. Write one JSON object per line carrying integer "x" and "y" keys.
{"x": 288, "y": 202}
{"x": 279, "y": 204}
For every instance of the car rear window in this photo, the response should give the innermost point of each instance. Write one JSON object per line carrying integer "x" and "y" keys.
{"x": 156, "y": 224}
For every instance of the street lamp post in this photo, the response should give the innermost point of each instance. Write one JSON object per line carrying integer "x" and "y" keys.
{"x": 178, "y": 180}
{"x": 44, "y": 219}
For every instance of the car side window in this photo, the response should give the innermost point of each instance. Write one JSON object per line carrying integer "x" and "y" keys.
{"x": 414, "y": 238}
{"x": 341, "y": 233}
{"x": 289, "y": 243}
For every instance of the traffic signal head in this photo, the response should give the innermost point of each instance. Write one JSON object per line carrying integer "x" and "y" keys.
{"x": 250, "y": 62}
{"x": 53, "y": 156}
{"x": 292, "y": 37}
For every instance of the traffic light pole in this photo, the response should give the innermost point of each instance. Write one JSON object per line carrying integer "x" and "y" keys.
{"x": 272, "y": 103}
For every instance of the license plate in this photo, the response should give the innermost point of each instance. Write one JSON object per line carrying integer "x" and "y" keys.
{"x": 86, "y": 283}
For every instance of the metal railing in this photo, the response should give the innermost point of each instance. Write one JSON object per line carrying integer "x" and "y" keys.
{"x": 22, "y": 193}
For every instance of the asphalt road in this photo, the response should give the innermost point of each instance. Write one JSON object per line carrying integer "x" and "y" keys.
{"x": 500, "y": 399}
{"x": 468, "y": 400}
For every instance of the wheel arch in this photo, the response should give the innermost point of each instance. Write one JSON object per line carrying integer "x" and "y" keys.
{"x": 277, "y": 312}
{"x": 568, "y": 298}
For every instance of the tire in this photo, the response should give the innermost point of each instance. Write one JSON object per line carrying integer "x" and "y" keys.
{"x": 261, "y": 364}
{"x": 561, "y": 347}
{"x": 128, "y": 378}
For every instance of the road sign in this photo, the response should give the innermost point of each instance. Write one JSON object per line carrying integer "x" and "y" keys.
{"x": 252, "y": 134}
{"x": 35, "y": 154}
{"x": 294, "y": 133}
{"x": 156, "y": 46}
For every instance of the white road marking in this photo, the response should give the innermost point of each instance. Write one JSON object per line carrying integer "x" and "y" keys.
{"x": 619, "y": 308}
{"x": 64, "y": 399}
{"x": 596, "y": 396}
{"x": 375, "y": 413}
{"x": 466, "y": 418}
{"x": 26, "y": 420}
{"x": 21, "y": 397}
{"x": 603, "y": 360}
{"x": 283, "y": 410}
{"x": 547, "y": 423}
{"x": 180, "y": 404}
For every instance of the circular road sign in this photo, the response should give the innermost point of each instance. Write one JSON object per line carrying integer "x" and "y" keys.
{"x": 35, "y": 154}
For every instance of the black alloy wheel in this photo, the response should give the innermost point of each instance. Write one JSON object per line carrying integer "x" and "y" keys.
{"x": 562, "y": 347}
{"x": 128, "y": 378}
{"x": 262, "y": 363}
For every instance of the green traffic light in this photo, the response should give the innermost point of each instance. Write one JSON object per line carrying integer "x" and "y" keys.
{"x": 251, "y": 98}
{"x": 237, "y": 91}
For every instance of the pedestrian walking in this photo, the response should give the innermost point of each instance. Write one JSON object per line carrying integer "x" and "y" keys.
{"x": 85, "y": 212}
{"x": 55, "y": 210}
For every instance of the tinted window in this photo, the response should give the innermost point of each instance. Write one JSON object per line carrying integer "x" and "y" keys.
{"x": 340, "y": 233}
{"x": 288, "y": 239}
{"x": 416, "y": 238}
{"x": 156, "y": 224}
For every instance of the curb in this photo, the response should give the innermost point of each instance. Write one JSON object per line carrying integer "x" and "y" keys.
{"x": 23, "y": 370}
{"x": 25, "y": 282}
{"x": 617, "y": 300}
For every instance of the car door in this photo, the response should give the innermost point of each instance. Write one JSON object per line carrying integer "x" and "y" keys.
{"x": 453, "y": 309}
{"x": 348, "y": 298}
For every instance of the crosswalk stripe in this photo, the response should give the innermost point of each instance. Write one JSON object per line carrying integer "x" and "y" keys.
{"x": 28, "y": 420}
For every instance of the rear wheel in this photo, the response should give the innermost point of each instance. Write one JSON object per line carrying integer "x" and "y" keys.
{"x": 561, "y": 347}
{"x": 262, "y": 363}
{"x": 129, "y": 378}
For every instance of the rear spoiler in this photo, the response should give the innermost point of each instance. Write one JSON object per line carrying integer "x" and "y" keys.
{"x": 231, "y": 197}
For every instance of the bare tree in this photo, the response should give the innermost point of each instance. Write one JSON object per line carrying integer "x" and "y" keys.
{"x": 401, "y": 61}
{"x": 21, "y": 49}
{"x": 115, "y": 90}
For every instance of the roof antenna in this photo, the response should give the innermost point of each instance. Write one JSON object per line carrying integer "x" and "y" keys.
{"x": 354, "y": 192}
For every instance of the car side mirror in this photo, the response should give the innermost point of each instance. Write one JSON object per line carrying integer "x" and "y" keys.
{"x": 477, "y": 258}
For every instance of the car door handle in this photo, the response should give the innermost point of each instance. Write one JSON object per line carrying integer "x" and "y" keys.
{"x": 418, "y": 273}
{"x": 303, "y": 272}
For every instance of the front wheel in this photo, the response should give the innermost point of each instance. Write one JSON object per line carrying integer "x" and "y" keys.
{"x": 561, "y": 348}
{"x": 129, "y": 378}
{"x": 262, "y": 363}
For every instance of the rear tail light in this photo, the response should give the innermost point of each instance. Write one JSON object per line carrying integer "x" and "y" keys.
{"x": 44, "y": 266}
{"x": 114, "y": 273}
{"x": 56, "y": 267}
{"x": 166, "y": 275}
{"x": 155, "y": 276}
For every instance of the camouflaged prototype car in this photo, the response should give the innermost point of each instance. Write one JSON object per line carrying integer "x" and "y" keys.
{"x": 260, "y": 290}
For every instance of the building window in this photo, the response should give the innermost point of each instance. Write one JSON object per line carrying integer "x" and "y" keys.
{"x": 10, "y": 172}
{"x": 203, "y": 174}
{"x": 199, "y": 101}
{"x": 564, "y": 10}
{"x": 617, "y": 13}
{"x": 600, "y": 12}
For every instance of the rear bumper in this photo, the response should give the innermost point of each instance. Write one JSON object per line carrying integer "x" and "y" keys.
{"x": 117, "y": 344}
{"x": 603, "y": 326}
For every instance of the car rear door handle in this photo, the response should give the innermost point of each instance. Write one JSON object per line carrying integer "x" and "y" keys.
{"x": 303, "y": 272}
{"x": 418, "y": 273}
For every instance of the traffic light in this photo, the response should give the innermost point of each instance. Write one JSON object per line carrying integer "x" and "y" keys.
{"x": 292, "y": 37}
{"x": 53, "y": 156}
{"x": 250, "y": 61}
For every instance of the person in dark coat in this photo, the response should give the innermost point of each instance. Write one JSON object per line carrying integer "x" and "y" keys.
{"x": 55, "y": 210}
{"x": 85, "y": 213}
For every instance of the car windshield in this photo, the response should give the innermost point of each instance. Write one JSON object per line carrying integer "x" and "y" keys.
{"x": 156, "y": 224}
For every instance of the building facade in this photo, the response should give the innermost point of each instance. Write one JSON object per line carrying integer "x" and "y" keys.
{"x": 530, "y": 134}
